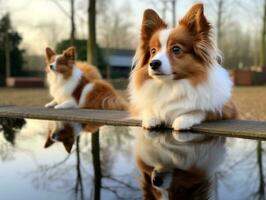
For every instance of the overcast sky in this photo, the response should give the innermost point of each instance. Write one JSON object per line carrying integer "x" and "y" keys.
{"x": 41, "y": 21}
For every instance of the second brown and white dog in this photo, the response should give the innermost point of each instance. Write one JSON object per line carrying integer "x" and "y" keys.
{"x": 78, "y": 85}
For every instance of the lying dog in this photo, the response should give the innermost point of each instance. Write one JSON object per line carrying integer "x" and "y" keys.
{"x": 78, "y": 85}
{"x": 177, "y": 79}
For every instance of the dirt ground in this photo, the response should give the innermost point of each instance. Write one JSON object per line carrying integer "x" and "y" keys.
{"x": 251, "y": 101}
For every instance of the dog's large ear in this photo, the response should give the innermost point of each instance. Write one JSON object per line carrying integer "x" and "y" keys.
{"x": 70, "y": 53}
{"x": 195, "y": 20}
{"x": 68, "y": 144}
{"x": 49, "y": 53}
{"x": 48, "y": 142}
{"x": 197, "y": 24}
{"x": 151, "y": 23}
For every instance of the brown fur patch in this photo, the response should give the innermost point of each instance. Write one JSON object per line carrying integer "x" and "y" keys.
{"x": 140, "y": 75}
{"x": 78, "y": 90}
{"x": 229, "y": 112}
{"x": 103, "y": 96}
{"x": 150, "y": 24}
{"x": 149, "y": 192}
{"x": 196, "y": 23}
{"x": 89, "y": 71}
{"x": 64, "y": 66}
{"x": 190, "y": 185}
{"x": 49, "y": 54}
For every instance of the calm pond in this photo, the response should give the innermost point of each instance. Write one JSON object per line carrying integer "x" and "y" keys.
{"x": 123, "y": 154}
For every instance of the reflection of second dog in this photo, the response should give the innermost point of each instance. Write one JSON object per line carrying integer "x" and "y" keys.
{"x": 67, "y": 132}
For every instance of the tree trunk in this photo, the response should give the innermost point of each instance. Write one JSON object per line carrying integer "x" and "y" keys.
{"x": 95, "y": 149}
{"x": 91, "y": 46}
{"x": 261, "y": 190}
{"x": 263, "y": 39}
{"x": 219, "y": 22}
{"x": 79, "y": 182}
{"x": 7, "y": 54}
{"x": 95, "y": 137}
{"x": 73, "y": 25}
{"x": 174, "y": 12}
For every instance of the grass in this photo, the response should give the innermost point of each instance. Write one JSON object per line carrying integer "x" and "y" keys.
{"x": 251, "y": 101}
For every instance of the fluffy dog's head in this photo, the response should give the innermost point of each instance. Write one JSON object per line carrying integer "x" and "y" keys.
{"x": 61, "y": 64}
{"x": 183, "y": 52}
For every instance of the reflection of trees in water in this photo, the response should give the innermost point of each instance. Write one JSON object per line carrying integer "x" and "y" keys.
{"x": 260, "y": 194}
{"x": 99, "y": 154}
{"x": 250, "y": 164}
{"x": 9, "y": 128}
{"x": 96, "y": 161}
{"x": 79, "y": 182}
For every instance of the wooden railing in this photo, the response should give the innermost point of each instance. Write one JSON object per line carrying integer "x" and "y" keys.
{"x": 228, "y": 128}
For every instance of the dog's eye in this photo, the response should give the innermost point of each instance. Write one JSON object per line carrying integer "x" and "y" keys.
{"x": 153, "y": 51}
{"x": 176, "y": 50}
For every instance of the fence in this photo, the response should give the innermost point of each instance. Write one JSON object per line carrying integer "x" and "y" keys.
{"x": 228, "y": 128}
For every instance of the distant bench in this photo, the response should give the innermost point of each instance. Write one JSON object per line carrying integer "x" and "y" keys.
{"x": 25, "y": 82}
{"x": 228, "y": 128}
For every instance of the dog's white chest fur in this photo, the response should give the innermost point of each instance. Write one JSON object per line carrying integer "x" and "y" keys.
{"x": 61, "y": 89}
{"x": 164, "y": 152}
{"x": 167, "y": 100}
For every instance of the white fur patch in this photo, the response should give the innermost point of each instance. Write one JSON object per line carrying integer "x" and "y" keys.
{"x": 164, "y": 35}
{"x": 167, "y": 100}
{"x": 61, "y": 89}
{"x": 86, "y": 90}
{"x": 162, "y": 55}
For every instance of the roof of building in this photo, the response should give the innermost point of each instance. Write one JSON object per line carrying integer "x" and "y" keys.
{"x": 119, "y": 57}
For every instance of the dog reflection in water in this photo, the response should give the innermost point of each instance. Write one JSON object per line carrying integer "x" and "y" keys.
{"x": 67, "y": 132}
{"x": 177, "y": 165}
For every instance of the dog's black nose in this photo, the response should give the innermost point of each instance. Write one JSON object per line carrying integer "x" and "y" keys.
{"x": 51, "y": 66}
{"x": 55, "y": 136}
{"x": 157, "y": 181}
{"x": 155, "y": 64}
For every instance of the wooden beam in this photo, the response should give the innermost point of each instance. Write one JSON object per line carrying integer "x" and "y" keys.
{"x": 228, "y": 128}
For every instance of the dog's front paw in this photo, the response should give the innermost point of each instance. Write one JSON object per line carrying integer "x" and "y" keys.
{"x": 50, "y": 104}
{"x": 151, "y": 123}
{"x": 60, "y": 106}
{"x": 181, "y": 123}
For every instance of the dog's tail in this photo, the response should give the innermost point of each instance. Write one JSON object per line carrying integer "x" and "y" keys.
{"x": 114, "y": 103}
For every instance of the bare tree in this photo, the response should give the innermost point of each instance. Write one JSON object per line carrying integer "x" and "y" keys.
{"x": 219, "y": 21}
{"x": 52, "y": 31}
{"x": 71, "y": 16}
{"x": 261, "y": 189}
{"x": 114, "y": 30}
{"x": 220, "y": 9}
{"x": 73, "y": 25}
{"x": 263, "y": 37}
{"x": 164, "y": 6}
{"x": 92, "y": 45}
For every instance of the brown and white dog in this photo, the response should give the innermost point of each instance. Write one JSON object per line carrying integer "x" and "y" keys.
{"x": 177, "y": 80}
{"x": 73, "y": 84}
{"x": 177, "y": 166}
